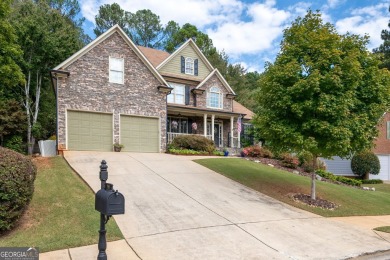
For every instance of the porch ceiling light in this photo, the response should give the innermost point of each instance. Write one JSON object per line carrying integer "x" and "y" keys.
{"x": 229, "y": 95}
{"x": 164, "y": 89}
{"x": 197, "y": 91}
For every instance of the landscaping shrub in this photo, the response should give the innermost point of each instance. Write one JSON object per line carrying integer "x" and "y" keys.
{"x": 306, "y": 162}
{"x": 15, "y": 143}
{"x": 373, "y": 181}
{"x": 257, "y": 152}
{"x": 289, "y": 161}
{"x": 17, "y": 175}
{"x": 193, "y": 142}
{"x": 365, "y": 163}
{"x": 332, "y": 177}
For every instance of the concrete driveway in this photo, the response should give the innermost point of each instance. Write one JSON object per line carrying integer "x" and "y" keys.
{"x": 177, "y": 209}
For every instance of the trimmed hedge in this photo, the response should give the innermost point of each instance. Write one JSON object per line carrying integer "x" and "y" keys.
{"x": 332, "y": 177}
{"x": 193, "y": 142}
{"x": 17, "y": 175}
{"x": 372, "y": 181}
{"x": 364, "y": 163}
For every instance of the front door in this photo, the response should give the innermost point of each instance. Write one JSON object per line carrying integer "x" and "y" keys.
{"x": 217, "y": 133}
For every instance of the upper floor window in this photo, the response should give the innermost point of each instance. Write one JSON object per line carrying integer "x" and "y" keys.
{"x": 116, "y": 74}
{"x": 177, "y": 94}
{"x": 214, "y": 98}
{"x": 189, "y": 66}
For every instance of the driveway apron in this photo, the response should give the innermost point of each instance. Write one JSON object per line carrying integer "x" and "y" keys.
{"x": 177, "y": 209}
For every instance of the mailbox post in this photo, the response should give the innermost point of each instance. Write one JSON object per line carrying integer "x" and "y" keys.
{"x": 108, "y": 202}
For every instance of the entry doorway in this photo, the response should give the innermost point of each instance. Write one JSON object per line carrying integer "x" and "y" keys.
{"x": 218, "y": 140}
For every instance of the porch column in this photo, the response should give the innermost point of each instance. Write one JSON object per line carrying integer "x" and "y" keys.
{"x": 239, "y": 135}
{"x": 205, "y": 125}
{"x": 231, "y": 131}
{"x": 212, "y": 127}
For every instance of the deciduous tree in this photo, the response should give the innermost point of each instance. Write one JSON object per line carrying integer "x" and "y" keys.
{"x": 10, "y": 73}
{"x": 46, "y": 38}
{"x": 324, "y": 93}
{"x": 384, "y": 49}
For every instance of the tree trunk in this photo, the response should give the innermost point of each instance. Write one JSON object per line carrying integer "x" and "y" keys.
{"x": 313, "y": 178}
{"x": 27, "y": 105}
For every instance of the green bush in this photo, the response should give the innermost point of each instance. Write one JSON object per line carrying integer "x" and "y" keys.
{"x": 365, "y": 163}
{"x": 17, "y": 175}
{"x": 257, "y": 152}
{"x": 372, "y": 181}
{"x": 289, "y": 161}
{"x": 193, "y": 142}
{"x": 332, "y": 177}
{"x": 15, "y": 143}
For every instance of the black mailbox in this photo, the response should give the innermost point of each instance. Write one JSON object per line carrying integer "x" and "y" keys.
{"x": 109, "y": 202}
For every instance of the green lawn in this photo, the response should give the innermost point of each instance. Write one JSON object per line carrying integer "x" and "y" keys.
{"x": 279, "y": 184}
{"x": 62, "y": 212}
{"x": 385, "y": 229}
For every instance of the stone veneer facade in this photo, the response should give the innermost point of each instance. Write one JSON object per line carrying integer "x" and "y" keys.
{"x": 88, "y": 88}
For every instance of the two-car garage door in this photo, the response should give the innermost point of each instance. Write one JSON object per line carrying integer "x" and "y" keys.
{"x": 94, "y": 132}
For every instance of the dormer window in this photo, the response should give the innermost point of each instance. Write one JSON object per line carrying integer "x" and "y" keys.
{"x": 214, "y": 98}
{"x": 189, "y": 66}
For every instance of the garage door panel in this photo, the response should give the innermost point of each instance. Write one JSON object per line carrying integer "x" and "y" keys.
{"x": 89, "y": 131}
{"x": 140, "y": 134}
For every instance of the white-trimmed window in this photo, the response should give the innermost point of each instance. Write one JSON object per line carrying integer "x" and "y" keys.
{"x": 177, "y": 95}
{"x": 189, "y": 66}
{"x": 214, "y": 98}
{"x": 116, "y": 70}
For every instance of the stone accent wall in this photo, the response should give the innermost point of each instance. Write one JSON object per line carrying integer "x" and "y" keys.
{"x": 202, "y": 99}
{"x": 88, "y": 88}
{"x": 382, "y": 144}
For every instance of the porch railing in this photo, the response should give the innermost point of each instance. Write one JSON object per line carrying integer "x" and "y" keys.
{"x": 171, "y": 136}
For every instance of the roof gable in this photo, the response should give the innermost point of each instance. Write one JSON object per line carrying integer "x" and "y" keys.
{"x": 171, "y": 64}
{"x": 220, "y": 77}
{"x": 115, "y": 29}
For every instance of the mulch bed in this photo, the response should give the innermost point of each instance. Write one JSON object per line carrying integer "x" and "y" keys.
{"x": 319, "y": 203}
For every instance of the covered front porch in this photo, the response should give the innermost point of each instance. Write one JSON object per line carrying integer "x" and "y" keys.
{"x": 220, "y": 126}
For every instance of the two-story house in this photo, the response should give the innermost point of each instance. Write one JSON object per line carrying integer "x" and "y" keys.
{"x": 112, "y": 91}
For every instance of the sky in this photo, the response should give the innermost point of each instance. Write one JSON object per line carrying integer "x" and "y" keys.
{"x": 250, "y": 32}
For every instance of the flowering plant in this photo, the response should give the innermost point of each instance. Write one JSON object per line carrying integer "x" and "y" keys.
{"x": 194, "y": 126}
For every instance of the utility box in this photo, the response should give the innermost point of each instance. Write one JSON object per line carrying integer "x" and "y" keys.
{"x": 109, "y": 202}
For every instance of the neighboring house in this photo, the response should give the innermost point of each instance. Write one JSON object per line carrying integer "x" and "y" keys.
{"x": 113, "y": 91}
{"x": 381, "y": 148}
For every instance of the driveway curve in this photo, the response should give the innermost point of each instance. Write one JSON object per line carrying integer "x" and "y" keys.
{"x": 178, "y": 209}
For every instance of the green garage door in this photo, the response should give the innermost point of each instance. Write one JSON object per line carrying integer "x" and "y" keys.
{"x": 140, "y": 134}
{"x": 89, "y": 131}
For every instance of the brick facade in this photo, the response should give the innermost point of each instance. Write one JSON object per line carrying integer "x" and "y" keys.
{"x": 88, "y": 88}
{"x": 382, "y": 144}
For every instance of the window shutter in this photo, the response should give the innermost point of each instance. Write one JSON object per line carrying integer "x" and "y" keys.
{"x": 187, "y": 93}
{"x": 196, "y": 67}
{"x": 183, "y": 64}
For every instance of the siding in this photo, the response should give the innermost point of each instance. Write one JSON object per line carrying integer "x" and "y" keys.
{"x": 338, "y": 166}
{"x": 173, "y": 66}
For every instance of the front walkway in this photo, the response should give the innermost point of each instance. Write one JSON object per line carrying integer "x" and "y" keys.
{"x": 177, "y": 209}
